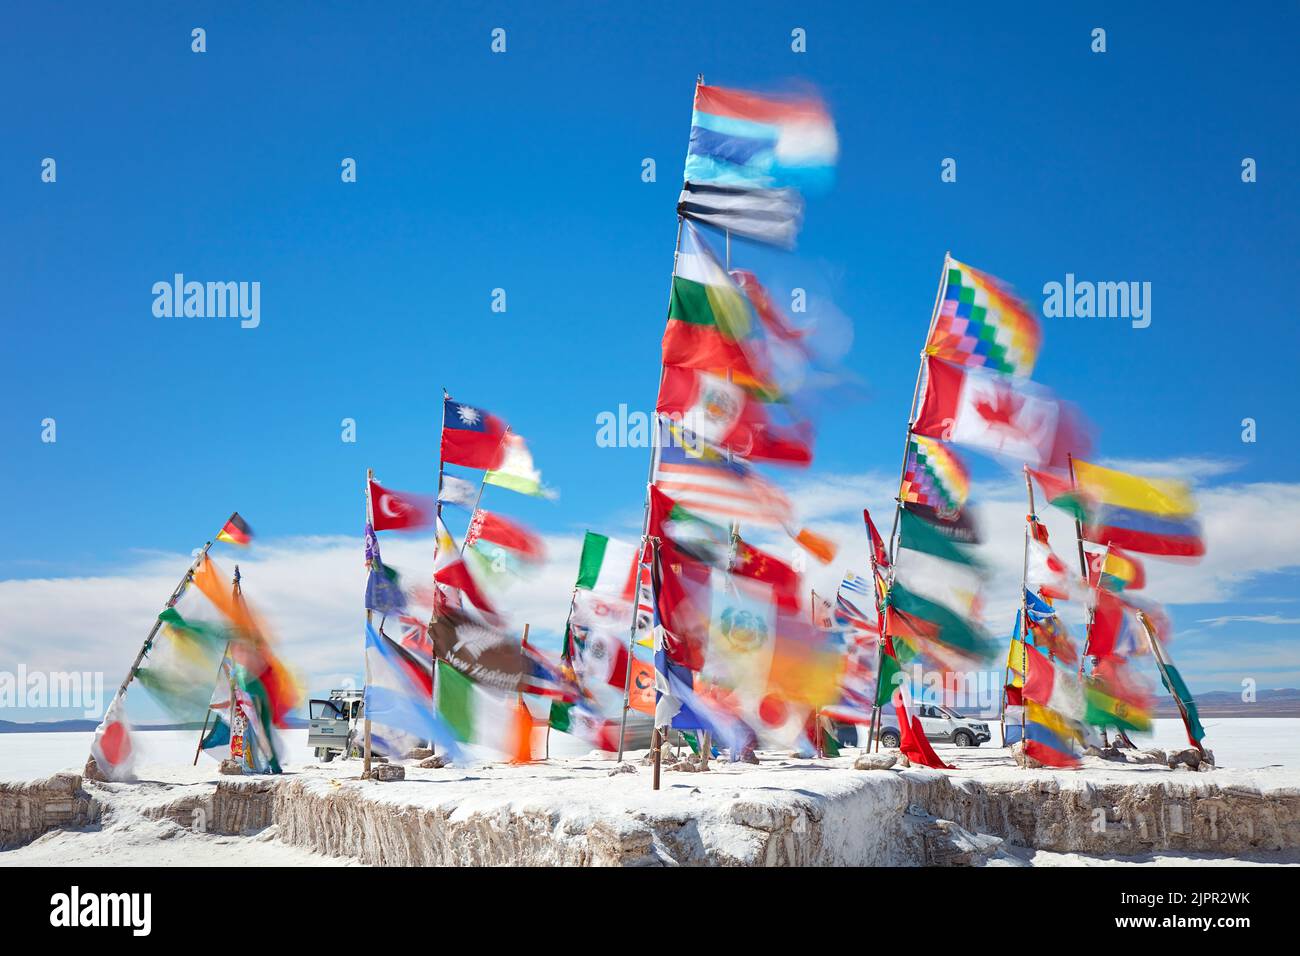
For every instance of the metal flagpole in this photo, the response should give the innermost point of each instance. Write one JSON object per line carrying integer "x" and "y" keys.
{"x": 1024, "y": 620}
{"x": 645, "y": 521}
{"x": 370, "y": 523}
{"x": 892, "y": 544}
{"x": 153, "y": 631}
{"x": 911, "y": 415}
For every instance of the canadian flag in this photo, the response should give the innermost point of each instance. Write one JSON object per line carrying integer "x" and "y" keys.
{"x": 396, "y": 511}
{"x": 996, "y": 413}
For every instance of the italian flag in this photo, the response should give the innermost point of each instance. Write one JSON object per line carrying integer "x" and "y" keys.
{"x": 608, "y": 566}
{"x": 478, "y": 715}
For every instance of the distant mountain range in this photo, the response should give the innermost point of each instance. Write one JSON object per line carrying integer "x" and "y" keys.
{"x": 1283, "y": 702}
{"x": 81, "y": 726}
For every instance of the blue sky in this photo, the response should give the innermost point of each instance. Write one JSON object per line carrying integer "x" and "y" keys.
{"x": 522, "y": 171}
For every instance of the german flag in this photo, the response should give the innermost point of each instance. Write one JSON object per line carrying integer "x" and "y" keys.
{"x": 236, "y": 531}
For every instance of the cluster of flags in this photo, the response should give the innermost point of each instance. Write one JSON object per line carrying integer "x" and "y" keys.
{"x": 459, "y": 680}
{"x": 1118, "y": 515}
{"x": 737, "y": 651}
{"x": 254, "y": 691}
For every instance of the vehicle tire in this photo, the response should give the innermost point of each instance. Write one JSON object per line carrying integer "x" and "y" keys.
{"x": 329, "y": 755}
{"x": 889, "y": 738}
{"x": 963, "y": 739}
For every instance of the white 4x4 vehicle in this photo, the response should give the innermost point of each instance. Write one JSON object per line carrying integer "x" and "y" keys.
{"x": 942, "y": 724}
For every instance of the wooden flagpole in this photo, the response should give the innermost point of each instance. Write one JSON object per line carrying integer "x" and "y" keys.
{"x": 157, "y": 623}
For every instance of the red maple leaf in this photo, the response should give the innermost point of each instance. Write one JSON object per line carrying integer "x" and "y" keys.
{"x": 1003, "y": 411}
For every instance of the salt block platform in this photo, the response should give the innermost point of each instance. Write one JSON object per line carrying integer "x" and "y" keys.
{"x": 784, "y": 811}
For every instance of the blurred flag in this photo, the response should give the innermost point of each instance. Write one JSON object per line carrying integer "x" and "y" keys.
{"x": 1047, "y": 630}
{"x": 1113, "y": 570}
{"x": 1147, "y": 515}
{"x": 451, "y": 571}
{"x": 758, "y": 153}
{"x": 1114, "y": 630}
{"x": 701, "y": 479}
{"x": 995, "y": 413}
{"x": 235, "y": 531}
{"x": 585, "y": 724}
{"x": 1052, "y": 686}
{"x": 458, "y": 492}
{"x": 1117, "y": 699}
{"x": 112, "y": 747}
{"x": 383, "y": 584}
{"x": 937, "y": 568}
{"x": 723, "y": 414}
{"x": 708, "y": 315}
{"x": 399, "y": 689}
{"x": 934, "y": 476}
{"x": 492, "y": 529}
{"x": 471, "y": 437}
{"x": 757, "y": 565}
{"x": 607, "y": 565}
{"x": 1050, "y": 738}
{"x": 483, "y": 715}
{"x": 877, "y": 543}
{"x": 517, "y": 471}
{"x": 398, "y": 511}
{"x": 1061, "y": 493}
{"x": 982, "y": 324}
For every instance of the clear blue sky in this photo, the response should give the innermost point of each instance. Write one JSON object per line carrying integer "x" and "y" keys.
{"x": 522, "y": 171}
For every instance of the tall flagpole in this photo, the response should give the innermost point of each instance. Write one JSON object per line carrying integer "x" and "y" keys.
{"x": 911, "y": 415}
{"x": 153, "y": 631}
{"x": 892, "y": 544}
{"x": 645, "y": 520}
{"x": 1024, "y": 625}
{"x": 370, "y": 524}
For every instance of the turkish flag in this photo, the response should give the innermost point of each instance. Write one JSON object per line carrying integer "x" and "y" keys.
{"x": 398, "y": 511}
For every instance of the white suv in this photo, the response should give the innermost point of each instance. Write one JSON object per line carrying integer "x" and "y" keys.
{"x": 941, "y": 724}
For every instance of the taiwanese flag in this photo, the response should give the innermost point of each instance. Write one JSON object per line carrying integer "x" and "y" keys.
{"x": 471, "y": 437}
{"x": 235, "y": 531}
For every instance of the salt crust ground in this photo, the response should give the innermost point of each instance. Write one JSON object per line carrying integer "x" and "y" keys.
{"x": 575, "y": 811}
